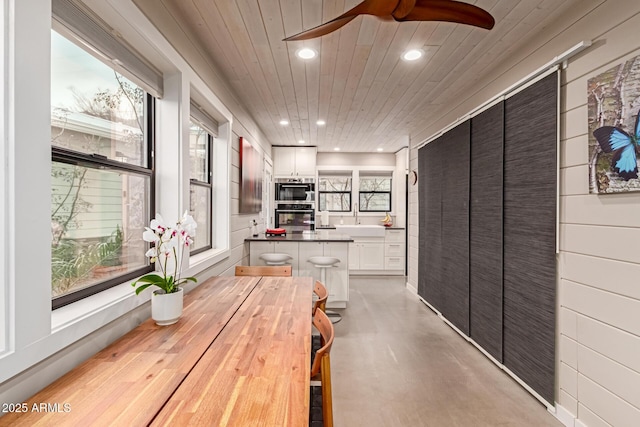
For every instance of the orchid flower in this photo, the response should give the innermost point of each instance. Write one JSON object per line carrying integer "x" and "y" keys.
{"x": 169, "y": 243}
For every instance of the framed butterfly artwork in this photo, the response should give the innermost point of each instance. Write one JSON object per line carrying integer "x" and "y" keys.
{"x": 614, "y": 129}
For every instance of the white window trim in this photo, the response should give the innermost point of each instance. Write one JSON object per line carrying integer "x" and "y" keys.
{"x": 355, "y": 186}
{"x": 37, "y": 332}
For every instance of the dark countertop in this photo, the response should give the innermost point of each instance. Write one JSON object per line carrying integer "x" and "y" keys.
{"x": 305, "y": 237}
{"x": 333, "y": 227}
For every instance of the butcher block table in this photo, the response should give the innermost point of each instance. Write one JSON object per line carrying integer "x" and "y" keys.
{"x": 238, "y": 356}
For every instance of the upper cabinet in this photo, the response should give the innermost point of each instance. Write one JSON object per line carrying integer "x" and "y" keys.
{"x": 297, "y": 162}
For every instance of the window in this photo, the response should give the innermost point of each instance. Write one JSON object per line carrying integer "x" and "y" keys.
{"x": 334, "y": 193}
{"x": 200, "y": 199}
{"x": 375, "y": 194}
{"x": 102, "y": 180}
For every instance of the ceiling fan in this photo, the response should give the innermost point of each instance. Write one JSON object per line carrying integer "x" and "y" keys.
{"x": 405, "y": 10}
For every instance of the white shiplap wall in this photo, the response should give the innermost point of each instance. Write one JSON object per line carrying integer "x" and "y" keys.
{"x": 599, "y": 269}
{"x": 598, "y": 309}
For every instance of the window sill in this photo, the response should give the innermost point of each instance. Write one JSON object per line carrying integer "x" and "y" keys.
{"x": 200, "y": 262}
{"x": 110, "y": 303}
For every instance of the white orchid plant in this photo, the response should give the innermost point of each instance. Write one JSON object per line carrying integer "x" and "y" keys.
{"x": 168, "y": 247}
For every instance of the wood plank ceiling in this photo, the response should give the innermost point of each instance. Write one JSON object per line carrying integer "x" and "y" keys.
{"x": 358, "y": 84}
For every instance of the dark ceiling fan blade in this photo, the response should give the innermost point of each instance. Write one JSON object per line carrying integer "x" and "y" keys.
{"x": 367, "y": 7}
{"x": 449, "y": 11}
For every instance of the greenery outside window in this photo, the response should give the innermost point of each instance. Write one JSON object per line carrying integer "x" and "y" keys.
{"x": 375, "y": 194}
{"x": 102, "y": 174}
{"x": 334, "y": 193}
{"x": 200, "y": 142}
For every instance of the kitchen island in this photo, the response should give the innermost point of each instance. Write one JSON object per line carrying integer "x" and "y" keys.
{"x": 301, "y": 247}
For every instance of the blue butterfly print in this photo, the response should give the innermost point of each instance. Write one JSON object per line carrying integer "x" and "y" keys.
{"x": 624, "y": 148}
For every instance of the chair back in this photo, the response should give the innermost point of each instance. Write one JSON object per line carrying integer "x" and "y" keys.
{"x": 321, "y": 292}
{"x": 321, "y": 366}
{"x": 263, "y": 270}
{"x": 325, "y": 327}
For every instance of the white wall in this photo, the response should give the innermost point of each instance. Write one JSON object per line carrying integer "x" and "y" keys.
{"x": 598, "y": 316}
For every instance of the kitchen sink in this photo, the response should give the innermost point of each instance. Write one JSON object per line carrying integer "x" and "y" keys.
{"x": 361, "y": 230}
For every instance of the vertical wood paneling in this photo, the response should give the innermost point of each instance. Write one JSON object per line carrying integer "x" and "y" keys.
{"x": 529, "y": 234}
{"x": 485, "y": 236}
{"x": 454, "y": 156}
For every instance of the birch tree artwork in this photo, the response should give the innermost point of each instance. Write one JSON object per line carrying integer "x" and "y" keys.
{"x": 614, "y": 129}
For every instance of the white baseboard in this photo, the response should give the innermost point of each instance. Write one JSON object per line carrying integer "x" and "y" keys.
{"x": 412, "y": 288}
{"x": 565, "y": 417}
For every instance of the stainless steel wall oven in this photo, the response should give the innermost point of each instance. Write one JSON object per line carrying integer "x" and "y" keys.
{"x": 295, "y": 217}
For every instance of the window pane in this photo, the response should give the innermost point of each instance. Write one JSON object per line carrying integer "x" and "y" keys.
{"x": 375, "y": 184}
{"x": 94, "y": 110}
{"x": 201, "y": 212}
{"x": 97, "y": 220}
{"x": 334, "y": 202}
{"x": 377, "y": 202}
{"x": 334, "y": 183}
{"x": 199, "y": 153}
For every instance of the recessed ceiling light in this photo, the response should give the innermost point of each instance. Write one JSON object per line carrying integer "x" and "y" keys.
{"x": 306, "y": 53}
{"x": 413, "y": 54}
{"x": 284, "y": 122}
{"x": 301, "y": 141}
{"x": 321, "y": 123}
{"x": 336, "y": 149}
{"x": 379, "y": 149}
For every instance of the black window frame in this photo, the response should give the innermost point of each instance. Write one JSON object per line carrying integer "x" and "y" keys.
{"x": 348, "y": 192}
{"x": 202, "y": 184}
{"x": 96, "y": 161}
{"x": 361, "y": 193}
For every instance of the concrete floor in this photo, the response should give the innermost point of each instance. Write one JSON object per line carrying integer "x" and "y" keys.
{"x": 395, "y": 363}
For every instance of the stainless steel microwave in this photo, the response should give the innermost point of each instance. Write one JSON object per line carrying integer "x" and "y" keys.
{"x": 295, "y": 191}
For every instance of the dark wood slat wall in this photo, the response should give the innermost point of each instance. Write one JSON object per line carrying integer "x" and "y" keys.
{"x": 508, "y": 268}
{"x": 455, "y": 225}
{"x": 485, "y": 237}
{"x": 529, "y": 234}
{"x": 430, "y": 202}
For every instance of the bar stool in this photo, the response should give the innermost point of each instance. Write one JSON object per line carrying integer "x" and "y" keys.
{"x": 324, "y": 262}
{"x": 274, "y": 258}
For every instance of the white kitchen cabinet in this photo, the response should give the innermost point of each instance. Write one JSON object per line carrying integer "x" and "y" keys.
{"x": 306, "y": 251}
{"x": 258, "y": 248}
{"x": 394, "y": 251}
{"x": 337, "y": 278}
{"x": 371, "y": 256}
{"x": 294, "y": 162}
{"x": 290, "y": 248}
{"x": 366, "y": 254}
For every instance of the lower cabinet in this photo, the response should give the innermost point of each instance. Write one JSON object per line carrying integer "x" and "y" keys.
{"x": 365, "y": 255}
{"x": 376, "y": 255}
{"x": 336, "y": 278}
{"x": 290, "y": 248}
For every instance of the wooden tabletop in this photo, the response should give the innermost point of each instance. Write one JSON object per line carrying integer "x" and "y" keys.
{"x": 134, "y": 380}
{"x": 256, "y": 373}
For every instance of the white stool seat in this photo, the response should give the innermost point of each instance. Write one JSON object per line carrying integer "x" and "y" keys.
{"x": 273, "y": 258}
{"x": 323, "y": 261}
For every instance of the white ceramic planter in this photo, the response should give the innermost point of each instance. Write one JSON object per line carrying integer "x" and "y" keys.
{"x": 166, "y": 309}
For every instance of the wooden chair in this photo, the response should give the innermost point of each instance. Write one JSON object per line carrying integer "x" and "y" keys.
{"x": 321, "y": 292}
{"x": 263, "y": 270}
{"x": 321, "y": 367}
